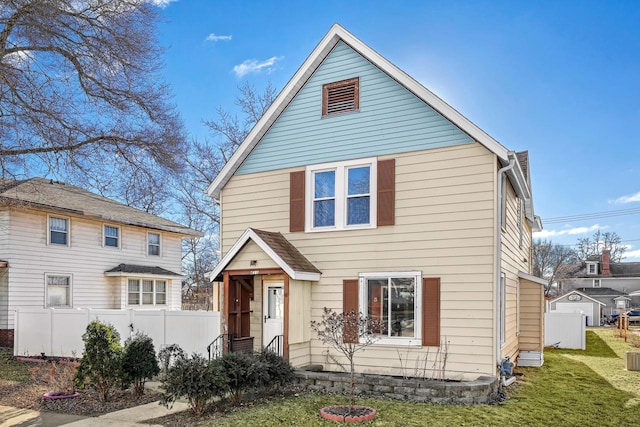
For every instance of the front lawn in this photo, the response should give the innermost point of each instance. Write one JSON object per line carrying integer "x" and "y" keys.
{"x": 573, "y": 388}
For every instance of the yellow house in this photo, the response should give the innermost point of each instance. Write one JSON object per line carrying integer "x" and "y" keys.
{"x": 361, "y": 189}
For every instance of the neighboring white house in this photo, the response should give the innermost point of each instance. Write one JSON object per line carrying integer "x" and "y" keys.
{"x": 64, "y": 247}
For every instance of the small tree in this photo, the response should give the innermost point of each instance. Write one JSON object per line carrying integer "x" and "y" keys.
{"x": 139, "y": 362}
{"x": 348, "y": 333}
{"x": 100, "y": 363}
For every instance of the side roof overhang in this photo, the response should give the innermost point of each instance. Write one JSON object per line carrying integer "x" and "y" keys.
{"x": 278, "y": 248}
{"x": 338, "y": 33}
{"x": 534, "y": 279}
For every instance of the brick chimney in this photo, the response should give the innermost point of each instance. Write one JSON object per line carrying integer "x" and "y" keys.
{"x": 606, "y": 260}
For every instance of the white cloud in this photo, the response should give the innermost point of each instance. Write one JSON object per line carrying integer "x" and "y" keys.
{"x": 632, "y": 254}
{"x": 215, "y": 38}
{"x": 161, "y": 3}
{"x": 568, "y": 231}
{"x": 628, "y": 199}
{"x": 255, "y": 66}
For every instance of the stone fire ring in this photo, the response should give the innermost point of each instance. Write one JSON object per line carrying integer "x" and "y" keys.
{"x": 56, "y": 395}
{"x": 340, "y": 413}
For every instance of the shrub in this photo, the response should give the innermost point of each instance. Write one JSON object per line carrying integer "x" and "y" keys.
{"x": 244, "y": 371}
{"x": 100, "y": 363}
{"x": 279, "y": 370}
{"x": 195, "y": 378}
{"x": 139, "y": 362}
{"x": 57, "y": 376}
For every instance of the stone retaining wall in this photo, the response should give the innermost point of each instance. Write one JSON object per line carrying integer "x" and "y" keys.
{"x": 482, "y": 390}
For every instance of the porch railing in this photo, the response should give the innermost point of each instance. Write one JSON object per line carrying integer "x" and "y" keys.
{"x": 219, "y": 346}
{"x": 276, "y": 345}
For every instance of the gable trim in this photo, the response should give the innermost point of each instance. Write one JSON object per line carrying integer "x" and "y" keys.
{"x": 577, "y": 293}
{"x": 335, "y": 34}
{"x": 249, "y": 234}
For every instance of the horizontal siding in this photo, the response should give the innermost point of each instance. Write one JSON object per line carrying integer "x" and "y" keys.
{"x": 438, "y": 231}
{"x": 251, "y": 252}
{"x": 300, "y": 354}
{"x": 30, "y": 258}
{"x": 531, "y": 316}
{"x": 302, "y": 136}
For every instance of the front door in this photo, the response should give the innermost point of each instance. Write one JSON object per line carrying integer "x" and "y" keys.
{"x": 273, "y": 315}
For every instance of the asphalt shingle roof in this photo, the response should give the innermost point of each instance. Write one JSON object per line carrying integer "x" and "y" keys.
{"x": 142, "y": 269}
{"x": 285, "y": 250}
{"x": 46, "y": 194}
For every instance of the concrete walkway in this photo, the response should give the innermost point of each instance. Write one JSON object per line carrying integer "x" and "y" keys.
{"x": 15, "y": 417}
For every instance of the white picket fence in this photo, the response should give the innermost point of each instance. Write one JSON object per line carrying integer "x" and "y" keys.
{"x": 58, "y": 332}
{"x": 565, "y": 330}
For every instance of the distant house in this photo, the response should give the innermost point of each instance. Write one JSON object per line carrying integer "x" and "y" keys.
{"x": 605, "y": 281}
{"x": 64, "y": 247}
{"x": 359, "y": 189}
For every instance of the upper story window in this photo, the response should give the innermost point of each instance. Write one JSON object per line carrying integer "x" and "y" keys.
{"x": 153, "y": 244}
{"x": 146, "y": 292}
{"x": 58, "y": 230}
{"x": 592, "y": 268}
{"x": 58, "y": 290}
{"x": 341, "y": 97}
{"x": 112, "y": 236}
{"x": 341, "y": 195}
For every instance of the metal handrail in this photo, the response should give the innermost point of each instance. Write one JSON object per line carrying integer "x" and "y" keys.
{"x": 219, "y": 346}
{"x": 275, "y": 345}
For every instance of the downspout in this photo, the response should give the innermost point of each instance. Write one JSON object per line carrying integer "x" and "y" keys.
{"x": 501, "y": 172}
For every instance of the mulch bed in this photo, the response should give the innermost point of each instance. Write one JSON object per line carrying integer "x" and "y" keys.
{"x": 29, "y": 396}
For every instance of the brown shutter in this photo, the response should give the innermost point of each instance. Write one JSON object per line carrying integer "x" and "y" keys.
{"x": 350, "y": 303}
{"x": 386, "y": 192}
{"x": 431, "y": 311}
{"x": 296, "y": 201}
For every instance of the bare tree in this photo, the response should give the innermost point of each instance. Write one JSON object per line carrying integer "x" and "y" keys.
{"x": 348, "y": 333}
{"x": 80, "y": 97}
{"x": 203, "y": 162}
{"x": 600, "y": 241}
{"x": 552, "y": 262}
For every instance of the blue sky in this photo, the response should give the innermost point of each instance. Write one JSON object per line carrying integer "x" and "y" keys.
{"x": 557, "y": 78}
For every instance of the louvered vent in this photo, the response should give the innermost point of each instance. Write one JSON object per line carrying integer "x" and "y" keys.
{"x": 340, "y": 97}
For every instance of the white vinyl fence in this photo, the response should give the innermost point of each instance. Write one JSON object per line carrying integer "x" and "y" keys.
{"x": 58, "y": 332}
{"x": 565, "y": 330}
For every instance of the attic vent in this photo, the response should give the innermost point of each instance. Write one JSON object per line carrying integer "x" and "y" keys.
{"x": 340, "y": 97}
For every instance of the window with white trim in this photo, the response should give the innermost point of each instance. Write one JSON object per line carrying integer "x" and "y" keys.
{"x": 111, "y": 236}
{"x": 392, "y": 298}
{"x": 58, "y": 231}
{"x": 596, "y": 283}
{"x": 58, "y": 292}
{"x": 592, "y": 268}
{"x": 146, "y": 292}
{"x": 341, "y": 195}
{"x": 153, "y": 244}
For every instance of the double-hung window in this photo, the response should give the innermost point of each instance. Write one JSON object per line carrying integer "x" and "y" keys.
{"x": 112, "y": 236}
{"x": 58, "y": 290}
{"x": 146, "y": 292}
{"x": 58, "y": 231}
{"x": 153, "y": 244}
{"x": 341, "y": 195}
{"x": 393, "y": 299}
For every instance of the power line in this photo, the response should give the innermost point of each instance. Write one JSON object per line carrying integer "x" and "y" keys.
{"x": 593, "y": 215}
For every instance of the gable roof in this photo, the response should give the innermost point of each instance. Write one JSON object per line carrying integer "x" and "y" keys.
{"x": 600, "y": 291}
{"x": 336, "y": 34}
{"x": 279, "y": 249}
{"x": 45, "y": 194}
{"x": 578, "y": 293}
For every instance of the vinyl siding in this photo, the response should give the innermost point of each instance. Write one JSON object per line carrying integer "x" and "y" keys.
{"x": 515, "y": 258}
{"x": 531, "y": 316}
{"x": 251, "y": 252}
{"x": 302, "y": 136}
{"x": 445, "y": 213}
{"x": 299, "y": 311}
{"x": 4, "y": 274}
{"x": 85, "y": 259}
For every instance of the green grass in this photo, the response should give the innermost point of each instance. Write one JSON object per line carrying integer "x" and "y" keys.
{"x": 10, "y": 369}
{"x": 566, "y": 391}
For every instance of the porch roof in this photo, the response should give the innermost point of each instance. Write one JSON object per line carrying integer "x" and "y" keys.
{"x": 278, "y": 248}
{"x": 139, "y": 270}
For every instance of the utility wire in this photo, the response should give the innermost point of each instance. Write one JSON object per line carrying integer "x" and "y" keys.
{"x": 589, "y": 216}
